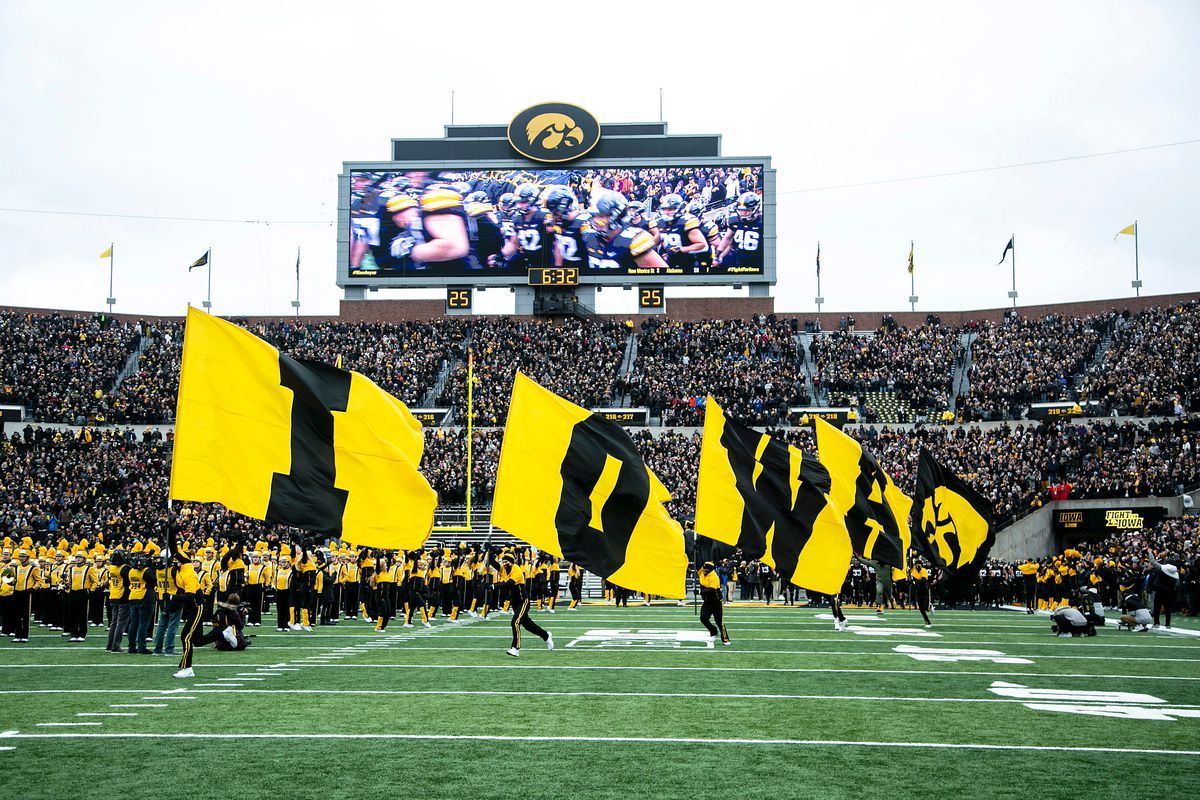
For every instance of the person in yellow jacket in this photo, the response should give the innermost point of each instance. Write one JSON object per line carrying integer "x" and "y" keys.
{"x": 349, "y": 577}
{"x": 118, "y": 600}
{"x": 1029, "y": 581}
{"x": 574, "y": 585}
{"x": 712, "y": 615}
{"x": 141, "y": 603}
{"x": 281, "y": 577}
{"x": 258, "y": 574}
{"x": 26, "y": 578}
{"x": 79, "y": 581}
{"x": 170, "y": 608}
{"x": 919, "y": 586}
{"x": 381, "y": 585}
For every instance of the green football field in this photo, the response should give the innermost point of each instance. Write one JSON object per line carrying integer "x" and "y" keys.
{"x": 631, "y": 703}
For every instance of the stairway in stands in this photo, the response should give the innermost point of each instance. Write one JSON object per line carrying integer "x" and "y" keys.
{"x": 803, "y": 340}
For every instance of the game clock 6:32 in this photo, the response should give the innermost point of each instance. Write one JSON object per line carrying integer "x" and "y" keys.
{"x": 557, "y": 276}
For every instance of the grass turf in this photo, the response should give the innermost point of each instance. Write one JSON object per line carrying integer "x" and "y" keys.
{"x": 757, "y": 715}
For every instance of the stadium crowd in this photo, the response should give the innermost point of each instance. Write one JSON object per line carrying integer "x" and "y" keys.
{"x": 750, "y": 367}
{"x": 914, "y": 363}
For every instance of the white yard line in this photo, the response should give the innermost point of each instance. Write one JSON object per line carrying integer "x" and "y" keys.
{"x": 106, "y": 714}
{"x": 137, "y": 705}
{"x": 66, "y": 724}
{"x": 818, "y": 743}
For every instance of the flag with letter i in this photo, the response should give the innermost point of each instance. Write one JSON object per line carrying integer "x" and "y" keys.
{"x": 295, "y": 442}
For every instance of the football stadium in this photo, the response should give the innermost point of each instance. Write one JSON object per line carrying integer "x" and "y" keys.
{"x": 519, "y": 457}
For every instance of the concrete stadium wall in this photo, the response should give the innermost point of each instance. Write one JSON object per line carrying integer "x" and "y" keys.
{"x": 1033, "y": 536}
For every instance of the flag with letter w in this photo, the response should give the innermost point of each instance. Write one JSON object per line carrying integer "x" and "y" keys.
{"x": 954, "y": 522}
{"x": 875, "y": 508}
{"x": 295, "y": 442}
{"x": 772, "y": 501}
{"x": 572, "y": 484}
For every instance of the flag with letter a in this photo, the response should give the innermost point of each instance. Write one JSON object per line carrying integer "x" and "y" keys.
{"x": 772, "y": 501}
{"x": 295, "y": 442}
{"x": 875, "y": 508}
{"x": 953, "y": 521}
{"x": 572, "y": 484}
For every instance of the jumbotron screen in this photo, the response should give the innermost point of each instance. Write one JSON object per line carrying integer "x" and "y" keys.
{"x": 636, "y": 221}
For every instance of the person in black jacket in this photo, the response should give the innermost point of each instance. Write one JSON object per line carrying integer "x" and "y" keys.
{"x": 1164, "y": 582}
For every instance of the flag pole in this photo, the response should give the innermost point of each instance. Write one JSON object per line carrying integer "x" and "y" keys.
{"x": 1013, "y": 294}
{"x": 470, "y": 424}
{"x": 912, "y": 279}
{"x": 296, "y": 302}
{"x": 208, "y": 301}
{"x": 819, "y": 299}
{"x": 1137, "y": 276}
{"x": 111, "y": 300}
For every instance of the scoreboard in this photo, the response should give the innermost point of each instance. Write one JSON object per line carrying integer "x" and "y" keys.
{"x": 554, "y": 201}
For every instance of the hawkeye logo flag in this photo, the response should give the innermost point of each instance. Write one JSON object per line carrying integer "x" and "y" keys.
{"x": 772, "y": 501}
{"x": 572, "y": 484}
{"x": 295, "y": 442}
{"x": 553, "y": 132}
{"x": 875, "y": 508}
{"x": 954, "y": 522}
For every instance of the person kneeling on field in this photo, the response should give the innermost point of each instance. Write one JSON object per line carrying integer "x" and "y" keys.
{"x": 228, "y": 623}
{"x": 1070, "y": 621}
{"x": 1134, "y": 614}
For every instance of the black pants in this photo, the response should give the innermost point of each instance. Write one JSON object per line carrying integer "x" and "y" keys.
{"x": 350, "y": 599}
{"x": 575, "y": 587}
{"x": 22, "y": 606}
{"x": 77, "y": 609}
{"x": 921, "y": 598}
{"x": 835, "y": 605}
{"x": 254, "y": 596}
{"x": 711, "y": 610}
{"x": 190, "y": 624}
{"x": 552, "y": 591}
{"x": 520, "y": 619}
{"x": 283, "y": 608}
{"x": 383, "y": 606}
{"x": 1030, "y": 594}
{"x": 1164, "y": 599}
{"x": 96, "y": 607}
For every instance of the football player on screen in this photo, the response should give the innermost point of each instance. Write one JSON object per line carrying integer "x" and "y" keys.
{"x": 484, "y": 232}
{"x": 570, "y": 250}
{"x": 415, "y": 233}
{"x": 640, "y": 219}
{"x": 742, "y": 244}
{"x": 680, "y": 238}
{"x": 534, "y": 244}
{"x": 712, "y": 234}
{"x": 614, "y": 244}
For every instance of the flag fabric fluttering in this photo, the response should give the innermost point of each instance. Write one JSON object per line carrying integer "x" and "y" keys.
{"x": 772, "y": 501}
{"x": 1007, "y": 248}
{"x": 107, "y": 253}
{"x": 1128, "y": 230}
{"x": 953, "y": 521}
{"x": 910, "y": 258}
{"x": 200, "y": 262}
{"x": 875, "y": 509}
{"x": 295, "y": 442}
{"x": 572, "y": 484}
{"x": 818, "y": 259}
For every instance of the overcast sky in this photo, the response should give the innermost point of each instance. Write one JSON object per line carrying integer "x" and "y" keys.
{"x": 245, "y": 111}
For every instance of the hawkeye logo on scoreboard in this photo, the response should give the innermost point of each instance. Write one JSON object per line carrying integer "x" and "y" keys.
{"x": 554, "y": 132}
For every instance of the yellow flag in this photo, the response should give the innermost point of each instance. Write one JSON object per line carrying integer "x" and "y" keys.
{"x": 107, "y": 253}
{"x": 572, "y": 484}
{"x": 295, "y": 442}
{"x": 876, "y": 510}
{"x": 772, "y": 501}
{"x": 1128, "y": 230}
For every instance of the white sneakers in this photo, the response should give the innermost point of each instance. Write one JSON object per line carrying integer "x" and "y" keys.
{"x": 293, "y": 626}
{"x": 185, "y": 673}
{"x": 549, "y": 641}
{"x": 514, "y": 652}
{"x": 407, "y": 625}
{"x": 727, "y": 643}
{"x": 306, "y": 629}
{"x": 426, "y": 624}
{"x": 839, "y": 624}
{"x": 712, "y": 642}
{"x": 230, "y": 634}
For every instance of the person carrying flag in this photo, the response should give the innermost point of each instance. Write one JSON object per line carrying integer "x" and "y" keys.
{"x": 512, "y": 576}
{"x": 710, "y": 595}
